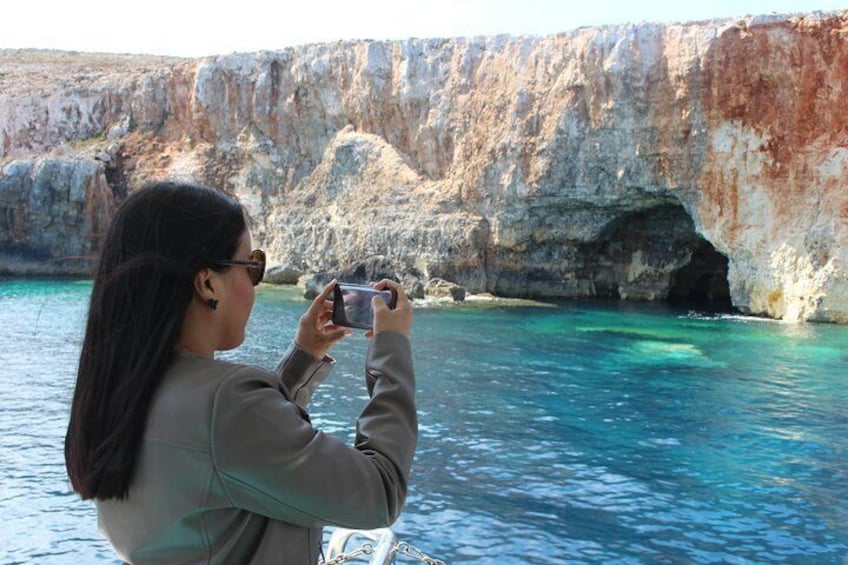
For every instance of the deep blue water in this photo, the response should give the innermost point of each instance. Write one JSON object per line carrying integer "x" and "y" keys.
{"x": 570, "y": 433}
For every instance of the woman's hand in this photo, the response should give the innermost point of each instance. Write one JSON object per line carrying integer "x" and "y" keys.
{"x": 315, "y": 333}
{"x": 385, "y": 320}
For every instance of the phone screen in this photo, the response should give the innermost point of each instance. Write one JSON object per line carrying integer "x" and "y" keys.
{"x": 352, "y": 305}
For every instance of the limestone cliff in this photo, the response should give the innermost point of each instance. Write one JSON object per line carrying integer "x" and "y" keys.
{"x": 641, "y": 161}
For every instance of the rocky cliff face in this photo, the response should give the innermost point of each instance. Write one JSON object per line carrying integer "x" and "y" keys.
{"x": 643, "y": 162}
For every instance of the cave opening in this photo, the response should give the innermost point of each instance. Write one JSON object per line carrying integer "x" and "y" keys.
{"x": 655, "y": 254}
{"x": 702, "y": 282}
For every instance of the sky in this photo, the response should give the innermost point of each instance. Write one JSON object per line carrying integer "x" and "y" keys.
{"x": 189, "y": 28}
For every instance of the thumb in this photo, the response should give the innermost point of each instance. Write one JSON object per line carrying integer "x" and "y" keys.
{"x": 378, "y": 304}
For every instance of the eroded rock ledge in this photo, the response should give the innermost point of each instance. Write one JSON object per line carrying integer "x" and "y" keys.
{"x": 639, "y": 161}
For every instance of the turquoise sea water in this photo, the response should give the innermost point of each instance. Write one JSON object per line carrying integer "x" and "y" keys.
{"x": 572, "y": 433}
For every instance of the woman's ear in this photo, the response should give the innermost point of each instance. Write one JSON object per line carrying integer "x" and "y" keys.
{"x": 203, "y": 284}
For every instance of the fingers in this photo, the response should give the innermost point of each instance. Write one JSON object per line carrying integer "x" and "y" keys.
{"x": 324, "y": 317}
{"x": 399, "y": 319}
{"x": 387, "y": 284}
{"x": 311, "y": 319}
{"x": 318, "y": 304}
{"x": 335, "y": 333}
{"x": 327, "y": 307}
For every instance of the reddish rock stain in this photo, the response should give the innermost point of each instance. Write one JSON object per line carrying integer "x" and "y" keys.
{"x": 787, "y": 82}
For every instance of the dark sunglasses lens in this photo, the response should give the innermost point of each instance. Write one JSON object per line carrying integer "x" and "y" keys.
{"x": 256, "y": 273}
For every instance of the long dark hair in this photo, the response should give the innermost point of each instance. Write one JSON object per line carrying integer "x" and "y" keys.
{"x": 159, "y": 239}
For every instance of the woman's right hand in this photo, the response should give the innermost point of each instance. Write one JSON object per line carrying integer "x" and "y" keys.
{"x": 398, "y": 320}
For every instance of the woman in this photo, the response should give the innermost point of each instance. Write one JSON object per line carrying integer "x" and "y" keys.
{"x": 193, "y": 460}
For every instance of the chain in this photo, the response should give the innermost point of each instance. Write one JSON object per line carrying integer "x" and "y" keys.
{"x": 366, "y": 549}
{"x": 402, "y": 548}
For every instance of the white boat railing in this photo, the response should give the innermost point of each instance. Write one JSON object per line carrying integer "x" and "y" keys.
{"x": 381, "y": 545}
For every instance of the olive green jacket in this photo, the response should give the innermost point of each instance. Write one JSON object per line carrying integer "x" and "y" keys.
{"x": 232, "y": 471}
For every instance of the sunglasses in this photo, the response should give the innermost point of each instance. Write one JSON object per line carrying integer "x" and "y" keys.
{"x": 255, "y": 265}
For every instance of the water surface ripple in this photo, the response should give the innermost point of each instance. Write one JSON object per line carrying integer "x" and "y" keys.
{"x": 579, "y": 433}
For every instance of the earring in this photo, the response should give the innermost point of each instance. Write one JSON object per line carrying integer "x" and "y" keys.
{"x": 212, "y": 303}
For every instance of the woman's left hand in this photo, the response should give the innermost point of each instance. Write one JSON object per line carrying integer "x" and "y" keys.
{"x": 315, "y": 333}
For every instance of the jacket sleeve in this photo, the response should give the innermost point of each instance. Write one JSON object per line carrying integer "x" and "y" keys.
{"x": 271, "y": 461}
{"x": 300, "y": 373}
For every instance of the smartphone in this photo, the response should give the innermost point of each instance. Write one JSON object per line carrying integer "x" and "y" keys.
{"x": 352, "y": 304}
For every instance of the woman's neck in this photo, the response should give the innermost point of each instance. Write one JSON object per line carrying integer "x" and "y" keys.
{"x": 198, "y": 333}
